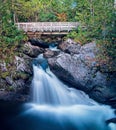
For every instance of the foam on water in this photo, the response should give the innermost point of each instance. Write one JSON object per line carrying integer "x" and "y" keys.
{"x": 48, "y": 89}
{"x": 59, "y": 107}
{"x": 74, "y": 117}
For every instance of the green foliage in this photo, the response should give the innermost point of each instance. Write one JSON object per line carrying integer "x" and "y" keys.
{"x": 43, "y": 10}
{"x": 97, "y": 23}
{"x": 10, "y": 36}
{"x": 97, "y": 17}
{"x": 8, "y": 32}
{"x": 47, "y": 16}
{"x": 21, "y": 75}
{"x": 4, "y": 75}
{"x": 10, "y": 88}
{"x": 79, "y": 36}
{"x": 107, "y": 54}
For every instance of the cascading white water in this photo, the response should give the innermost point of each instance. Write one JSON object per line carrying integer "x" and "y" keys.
{"x": 48, "y": 89}
{"x": 71, "y": 109}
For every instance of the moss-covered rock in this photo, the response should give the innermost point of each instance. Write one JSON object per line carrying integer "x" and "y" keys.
{"x": 32, "y": 51}
{"x": 4, "y": 74}
{"x": 15, "y": 72}
{"x": 21, "y": 75}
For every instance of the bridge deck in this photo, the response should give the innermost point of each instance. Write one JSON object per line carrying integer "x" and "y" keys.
{"x": 48, "y": 27}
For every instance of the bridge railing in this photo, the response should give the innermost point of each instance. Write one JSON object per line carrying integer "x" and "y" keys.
{"x": 47, "y": 26}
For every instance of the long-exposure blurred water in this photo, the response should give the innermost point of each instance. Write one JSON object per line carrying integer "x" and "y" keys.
{"x": 55, "y": 106}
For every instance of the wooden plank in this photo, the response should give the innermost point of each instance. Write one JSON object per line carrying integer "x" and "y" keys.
{"x": 47, "y": 26}
{"x": 47, "y": 33}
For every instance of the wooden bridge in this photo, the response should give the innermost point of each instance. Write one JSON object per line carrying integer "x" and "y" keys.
{"x": 38, "y": 28}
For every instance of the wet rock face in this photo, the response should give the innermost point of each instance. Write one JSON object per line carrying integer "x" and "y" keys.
{"x": 23, "y": 64}
{"x": 80, "y": 69}
{"x": 69, "y": 46}
{"x": 81, "y": 75}
{"x": 81, "y": 66}
{"x": 32, "y": 51}
{"x": 51, "y": 53}
{"x": 72, "y": 63}
{"x": 15, "y": 83}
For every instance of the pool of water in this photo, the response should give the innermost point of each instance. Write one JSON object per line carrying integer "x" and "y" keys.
{"x": 29, "y": 116}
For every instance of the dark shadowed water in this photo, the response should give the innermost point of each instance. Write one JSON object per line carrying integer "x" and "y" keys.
{"x": 15, "y": 116}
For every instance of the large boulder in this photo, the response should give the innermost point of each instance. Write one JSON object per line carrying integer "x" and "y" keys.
{"x": 32, "y": 51}
{"x": 51, "y": 53}
{"x": 76, "y": 71}
{"x": 80, "y": 69}
{"x": 16, "y": 75}
{"x": 40, "y": 43}
{"x": 69, "y": 46}
{"x": 23, "y": 64}
{"x": 15, "y": 83}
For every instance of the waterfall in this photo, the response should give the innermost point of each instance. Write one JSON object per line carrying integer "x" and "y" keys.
{"x": 55, "y": 106}
{"x": 48, "y": 89}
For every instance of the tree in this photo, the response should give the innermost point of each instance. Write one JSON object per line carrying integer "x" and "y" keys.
{"x": 29, "y": 10}
{"x": 8, "y": 32}
{"x": 10, "y": 36}
{"x": 97, "y": 17}
{"x": 43, "y": 10}
{"x": 97, "y": 23}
